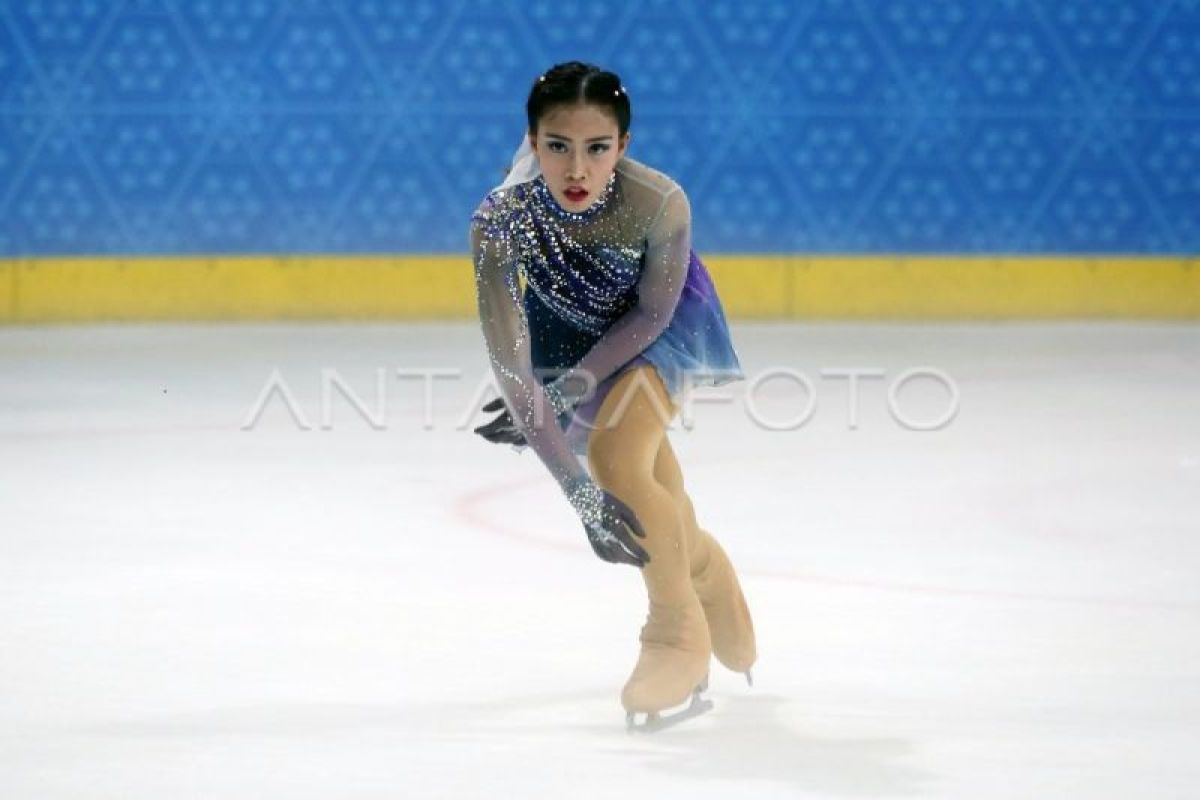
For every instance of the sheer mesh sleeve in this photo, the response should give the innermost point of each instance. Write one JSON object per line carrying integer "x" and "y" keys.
{"x": 506, "y": 332}
{"x": 668, "y": 249}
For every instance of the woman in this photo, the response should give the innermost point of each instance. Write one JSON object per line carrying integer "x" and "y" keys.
{"x": 619, "y": 309}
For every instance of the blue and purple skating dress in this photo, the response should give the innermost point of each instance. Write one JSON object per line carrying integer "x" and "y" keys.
{"x": 585, "y": 271}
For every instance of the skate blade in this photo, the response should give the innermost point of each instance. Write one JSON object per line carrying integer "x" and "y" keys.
{"x": 657, "y": 722}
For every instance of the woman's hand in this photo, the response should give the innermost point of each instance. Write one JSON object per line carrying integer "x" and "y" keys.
{"x": 610, "y": 525}
{"x": 562, "y": 395}
{"x": 502, "y": 429}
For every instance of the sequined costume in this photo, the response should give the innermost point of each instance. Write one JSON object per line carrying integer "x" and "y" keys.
{"x": 605, "y": 289}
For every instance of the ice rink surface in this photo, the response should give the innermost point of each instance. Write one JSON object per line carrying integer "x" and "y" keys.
{"x": 389, "y": 607}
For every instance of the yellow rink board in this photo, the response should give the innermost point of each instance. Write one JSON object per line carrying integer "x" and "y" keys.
{"x": 750, "y": 286}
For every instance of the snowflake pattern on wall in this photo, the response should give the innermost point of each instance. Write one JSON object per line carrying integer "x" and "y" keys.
{"x": 244, "y": 126}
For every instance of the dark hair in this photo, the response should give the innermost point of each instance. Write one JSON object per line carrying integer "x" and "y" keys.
{"x": 573, "y": 82}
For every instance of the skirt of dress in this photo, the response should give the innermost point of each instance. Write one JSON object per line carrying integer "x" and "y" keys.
{"x": 695, "y": 349}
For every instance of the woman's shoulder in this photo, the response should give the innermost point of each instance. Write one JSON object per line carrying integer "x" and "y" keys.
{"x": 645, "y": 177}
{"x": 499, "y": 205}
{"x": 658, "y": 198}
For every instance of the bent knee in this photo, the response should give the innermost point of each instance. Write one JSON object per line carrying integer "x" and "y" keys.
{"x": 608, "y": 458}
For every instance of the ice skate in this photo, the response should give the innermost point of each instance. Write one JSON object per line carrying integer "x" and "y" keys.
{"x": 730, "y": 627}
{"x": 674, "y": 658}
{"x": 655, "y": 721}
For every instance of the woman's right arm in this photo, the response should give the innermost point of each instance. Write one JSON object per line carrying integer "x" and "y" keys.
{"x": 506, "y": 332}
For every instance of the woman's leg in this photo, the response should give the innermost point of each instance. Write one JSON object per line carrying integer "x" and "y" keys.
{"x": 713, "y": 577}
{"x": 628, "y": 430}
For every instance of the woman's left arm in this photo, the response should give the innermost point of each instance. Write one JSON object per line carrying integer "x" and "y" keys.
{"x": 668, "y": 249}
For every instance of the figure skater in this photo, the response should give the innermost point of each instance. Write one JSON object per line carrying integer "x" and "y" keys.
{"x": 618, "y": 308}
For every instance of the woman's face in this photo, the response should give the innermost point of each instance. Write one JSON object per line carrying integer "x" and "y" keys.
{"x": 577, "y": 147}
